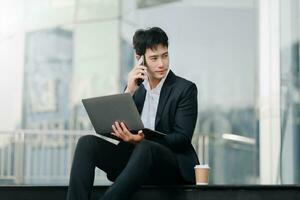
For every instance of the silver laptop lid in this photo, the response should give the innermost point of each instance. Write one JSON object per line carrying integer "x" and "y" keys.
{"x": 105, "y": 110}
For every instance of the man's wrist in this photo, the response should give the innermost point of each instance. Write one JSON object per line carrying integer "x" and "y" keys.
{"x": 129, "y": 91}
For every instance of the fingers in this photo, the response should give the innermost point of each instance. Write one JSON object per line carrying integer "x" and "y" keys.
{"x": 118, "y": 127}
{"x": 121, "y": 131}
{"x": 138, "y": 76}
{"x": 124, "y": 127}
{"x": 142, "y": 76}
{"x": 116, "y": 132}
{"x": 141, "y": 67}
{"x": 140, "y": 70}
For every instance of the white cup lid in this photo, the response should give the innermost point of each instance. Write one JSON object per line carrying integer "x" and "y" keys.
{"x": 202, "y": 166}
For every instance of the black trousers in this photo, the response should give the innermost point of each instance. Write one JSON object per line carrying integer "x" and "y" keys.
{"x": 128, "y": 165}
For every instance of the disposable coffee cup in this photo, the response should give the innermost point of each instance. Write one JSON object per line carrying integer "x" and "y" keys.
{"x": 201, "y": 173}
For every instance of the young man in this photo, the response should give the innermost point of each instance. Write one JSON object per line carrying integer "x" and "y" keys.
{"x": 167, "y": 103}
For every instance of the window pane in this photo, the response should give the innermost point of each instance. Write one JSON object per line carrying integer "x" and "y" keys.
{"x": 290, "y": 85}
{"x": 60, "y": 51}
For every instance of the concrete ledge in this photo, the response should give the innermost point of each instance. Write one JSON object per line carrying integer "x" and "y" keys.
{"x": 191, "y": 192}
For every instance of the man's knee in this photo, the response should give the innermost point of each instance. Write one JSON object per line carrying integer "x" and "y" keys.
{"x": 146, "y": 146}
{"x": 86, "y": 142}
{"x": 86, "y": 139}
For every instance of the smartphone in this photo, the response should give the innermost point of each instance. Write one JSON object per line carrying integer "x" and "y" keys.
{"x": 141, "y": 61}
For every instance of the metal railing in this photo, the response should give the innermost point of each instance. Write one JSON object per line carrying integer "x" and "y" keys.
{"x": 36, "y": 157}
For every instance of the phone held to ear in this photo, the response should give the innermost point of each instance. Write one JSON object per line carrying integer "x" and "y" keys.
{"x": 139, "y": 81}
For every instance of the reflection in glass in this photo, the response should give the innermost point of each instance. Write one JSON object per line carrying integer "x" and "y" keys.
{"x": 47, "y": 75}
{"x": 78, "y": 49}
{"x": 290, "y": 92}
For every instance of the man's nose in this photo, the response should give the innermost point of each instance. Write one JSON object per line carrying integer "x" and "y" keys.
{"x": 160, "y": 62}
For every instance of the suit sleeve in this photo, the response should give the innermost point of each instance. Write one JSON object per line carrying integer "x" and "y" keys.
{"x": 185, "y": 120}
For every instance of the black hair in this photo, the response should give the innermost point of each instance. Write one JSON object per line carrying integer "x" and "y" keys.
{"x": 149, "y": 38}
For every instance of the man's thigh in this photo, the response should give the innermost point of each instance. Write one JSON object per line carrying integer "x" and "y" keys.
{"x": 165, "y": 169}
{"x": 111, "y": 158}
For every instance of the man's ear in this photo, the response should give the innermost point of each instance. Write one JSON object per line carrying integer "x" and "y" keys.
{"x": 137, "y": 56}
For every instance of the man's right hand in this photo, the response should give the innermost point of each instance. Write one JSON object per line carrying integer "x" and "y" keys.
{"x": 139, "y": 71}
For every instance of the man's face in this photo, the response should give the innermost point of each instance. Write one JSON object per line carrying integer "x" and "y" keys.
{"x": 157, "y": 61}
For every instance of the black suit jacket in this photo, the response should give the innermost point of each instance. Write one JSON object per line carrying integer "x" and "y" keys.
{"x": 176, "y": 116}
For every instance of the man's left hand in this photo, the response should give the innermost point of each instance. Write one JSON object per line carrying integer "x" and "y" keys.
{"x": 122, "y": 132}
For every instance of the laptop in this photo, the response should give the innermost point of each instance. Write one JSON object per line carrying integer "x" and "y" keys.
{"x": 105, "y": 110}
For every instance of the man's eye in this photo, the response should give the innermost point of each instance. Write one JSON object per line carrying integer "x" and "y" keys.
{"x": 153, "y": 58}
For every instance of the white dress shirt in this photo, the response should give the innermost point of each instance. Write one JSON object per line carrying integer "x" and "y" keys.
{"x": 151, "y": 103}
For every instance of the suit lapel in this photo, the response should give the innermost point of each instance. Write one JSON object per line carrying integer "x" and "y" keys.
{"x": 139, "y": 98}
{"x": 164, "y": 95}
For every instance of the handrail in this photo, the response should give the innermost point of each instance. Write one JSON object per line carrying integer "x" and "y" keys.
{"x": 26, "y": 156}
{"x": 29, "y": 160}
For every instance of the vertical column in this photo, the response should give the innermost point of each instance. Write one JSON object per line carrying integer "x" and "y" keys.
{"x": 269, "y": 91}
{"x": 19, "y": 157}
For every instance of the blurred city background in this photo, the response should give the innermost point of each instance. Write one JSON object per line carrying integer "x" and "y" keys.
{"x": 242, "y": 55}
